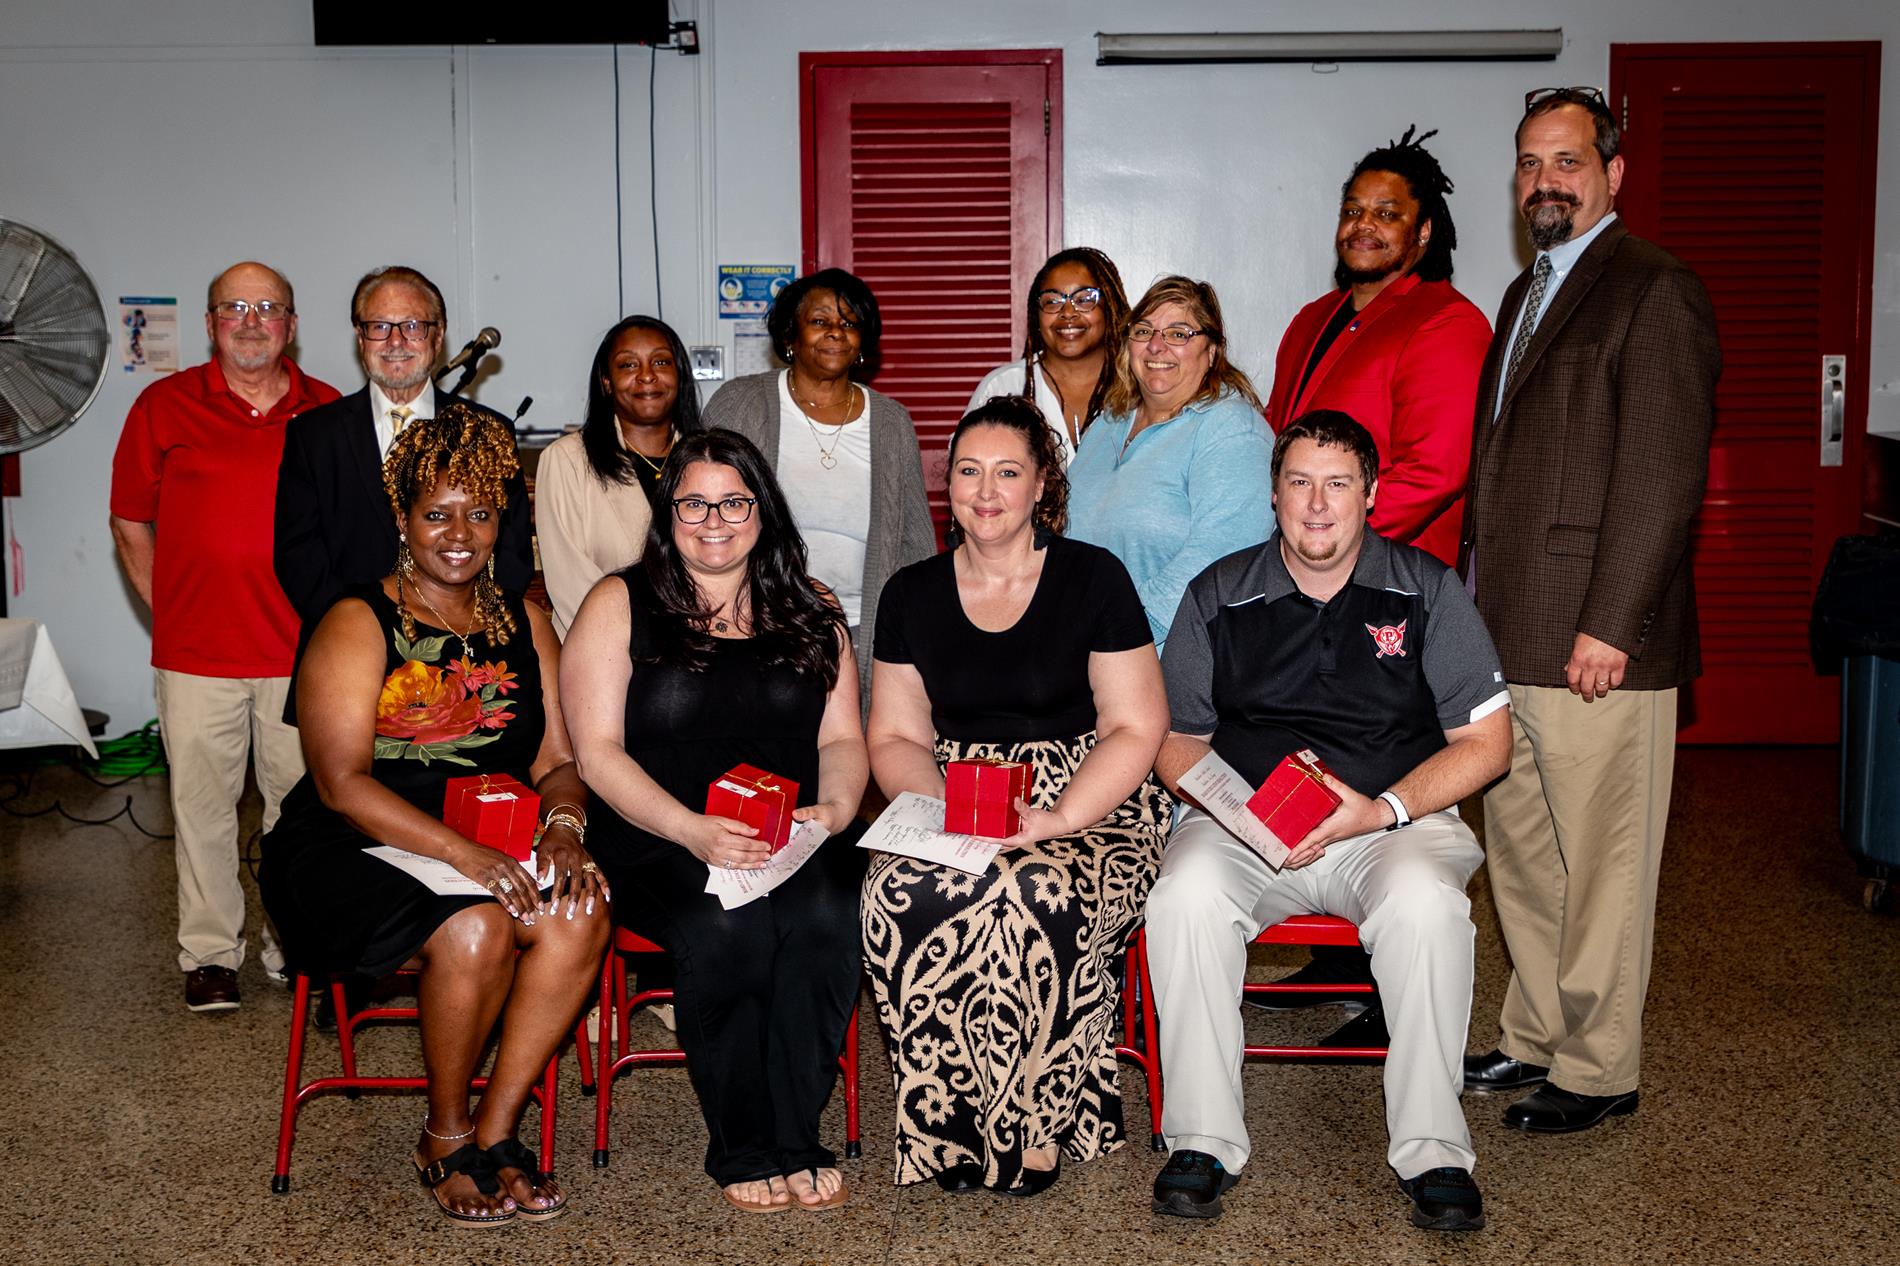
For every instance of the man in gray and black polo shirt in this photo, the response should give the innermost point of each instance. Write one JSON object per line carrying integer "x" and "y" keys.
{"x": 1370, "y": 653}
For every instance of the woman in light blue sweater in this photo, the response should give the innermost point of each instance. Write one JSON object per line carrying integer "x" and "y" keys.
{"x": 1175, "y": 473}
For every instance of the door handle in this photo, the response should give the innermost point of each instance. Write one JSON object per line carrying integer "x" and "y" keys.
{"x": 1833, "y": 408}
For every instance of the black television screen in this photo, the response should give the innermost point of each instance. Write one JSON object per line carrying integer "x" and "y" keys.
{"x": 351, "y": 22}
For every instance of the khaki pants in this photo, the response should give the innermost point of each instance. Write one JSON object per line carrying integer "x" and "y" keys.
{"x": 210, "y": 726}
{"x": 1406, "y": 892}
{"x": 1573, "y": 838}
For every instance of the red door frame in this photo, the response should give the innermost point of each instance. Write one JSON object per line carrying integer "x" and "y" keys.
{"x": 808, "y": 63}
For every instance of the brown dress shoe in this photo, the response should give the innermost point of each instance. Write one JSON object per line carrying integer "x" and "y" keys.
{"x": 211, "y": 989}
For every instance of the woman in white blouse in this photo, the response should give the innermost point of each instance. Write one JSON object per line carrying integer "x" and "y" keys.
{"x": 1078, "y": 316}
{"x": 845, "y": 455}
{"x": 594, "y": 488}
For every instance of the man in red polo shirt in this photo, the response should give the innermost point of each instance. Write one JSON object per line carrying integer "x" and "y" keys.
{"x": 1397, "y": 348}
{"x": 194, "y": 485}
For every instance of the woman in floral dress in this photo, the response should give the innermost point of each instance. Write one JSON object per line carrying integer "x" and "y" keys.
{"x": 431, "y": 674}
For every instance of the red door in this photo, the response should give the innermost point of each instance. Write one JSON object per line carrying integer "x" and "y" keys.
{"x": 1754, "y": 163}
{"x": 937, "y": 178}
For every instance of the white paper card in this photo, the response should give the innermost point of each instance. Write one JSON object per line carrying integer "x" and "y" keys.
{"x": 735, "y": 888}
{"x": 441, "y": 878}
{"x": 1219, "y": 789}
{"x": 494, "y": 796}
{"x": 913, "y": 827}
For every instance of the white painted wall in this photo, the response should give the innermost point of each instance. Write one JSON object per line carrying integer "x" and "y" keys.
{"x": 161, "y": 142}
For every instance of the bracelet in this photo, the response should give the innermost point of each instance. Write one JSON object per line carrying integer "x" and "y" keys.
{"x": 1399, "y": 816}
{"x": 570, "y": 810}
{"x": 567, "y": 820}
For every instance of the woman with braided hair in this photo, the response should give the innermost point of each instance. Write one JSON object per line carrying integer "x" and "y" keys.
{"x": 430, "y": 674}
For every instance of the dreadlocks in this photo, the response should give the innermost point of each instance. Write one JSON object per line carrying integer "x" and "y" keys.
{"x": 1408, "y": 159}
{"x": 469, "y": 450}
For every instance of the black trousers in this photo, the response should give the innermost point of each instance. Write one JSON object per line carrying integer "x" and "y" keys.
{"x": 762, "y": 997}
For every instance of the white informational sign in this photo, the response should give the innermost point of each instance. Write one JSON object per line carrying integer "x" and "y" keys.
{"x": 736, "y": 888}
{"x": 913, "y": 827}
{"x": 751, "y": 348}
{"x": 1219, "y": 789}
{"x": 148, "y": 334}
{"x": 441, "y": 878}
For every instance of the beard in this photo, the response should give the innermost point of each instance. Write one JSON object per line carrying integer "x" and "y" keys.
{"x": 391, "y": 380}
{"x": 1551, "y": 217}
{"x": 251, "y": 353}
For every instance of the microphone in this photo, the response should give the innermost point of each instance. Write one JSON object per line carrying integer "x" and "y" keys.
{"x": 479, "y": 346}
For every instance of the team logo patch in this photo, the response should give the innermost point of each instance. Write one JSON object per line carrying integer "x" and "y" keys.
{"x": 1390, "y": 639}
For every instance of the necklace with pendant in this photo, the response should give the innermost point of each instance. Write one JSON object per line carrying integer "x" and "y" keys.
{"x": 468, "y": 655}
{"x": 827, "y": 457}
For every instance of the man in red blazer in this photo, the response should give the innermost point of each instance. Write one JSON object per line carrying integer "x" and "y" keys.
{"x": 1591, "y": 451}
{"x": 1394, "y": 345}
{"x": 1397, "y": 348}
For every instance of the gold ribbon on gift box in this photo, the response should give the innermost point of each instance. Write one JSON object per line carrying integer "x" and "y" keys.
{"x": 1299, "y": 768}
{"x": 762, "y": 783}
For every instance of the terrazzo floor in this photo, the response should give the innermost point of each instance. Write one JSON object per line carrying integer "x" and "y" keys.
{"x": 1769, "y": 1130}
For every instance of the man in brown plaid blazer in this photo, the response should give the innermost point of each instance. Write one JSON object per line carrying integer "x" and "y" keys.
{"x": 1588, "y": 462}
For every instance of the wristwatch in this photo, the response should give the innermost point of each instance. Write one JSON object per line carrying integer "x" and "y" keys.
{"x": 1399, "y": 816}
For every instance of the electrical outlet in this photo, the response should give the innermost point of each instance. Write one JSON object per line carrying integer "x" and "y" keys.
{"x": 709, "y": 363}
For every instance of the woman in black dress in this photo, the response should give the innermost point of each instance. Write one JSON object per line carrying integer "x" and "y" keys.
{"x": 717, "y": 649}
{"x": 998, "y": 991}
{"x": 431, "y": 674}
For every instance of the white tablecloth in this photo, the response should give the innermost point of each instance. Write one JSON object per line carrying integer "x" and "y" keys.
{"x": 37, "y": 707}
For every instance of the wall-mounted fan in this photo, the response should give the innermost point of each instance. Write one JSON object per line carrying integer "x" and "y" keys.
{"x": 54, "y": 341}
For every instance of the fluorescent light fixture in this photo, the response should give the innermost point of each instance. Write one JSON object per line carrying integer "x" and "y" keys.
{"x": 1328, "y": 46}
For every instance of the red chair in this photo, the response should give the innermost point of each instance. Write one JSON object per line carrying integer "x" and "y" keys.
{"x": 616, "y": 1015}
{"x": 298, "y": 1092}
{"x": 1139, "y": 1040}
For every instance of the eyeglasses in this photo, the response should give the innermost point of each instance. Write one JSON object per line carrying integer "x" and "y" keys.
{"x": 378, "y": 331}
{"x": 237, "y": 309}
{"x": 1539, "y": 95}
{"x": 1173, "y": 335}
{"x": 693, "y": 510}
{"x": 1082, "y": 299}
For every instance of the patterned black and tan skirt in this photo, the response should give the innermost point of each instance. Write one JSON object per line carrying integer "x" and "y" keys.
{"x": 999, "y": 992}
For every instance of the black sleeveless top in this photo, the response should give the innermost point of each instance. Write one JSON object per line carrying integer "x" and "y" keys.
{"x": 685, "y": 729}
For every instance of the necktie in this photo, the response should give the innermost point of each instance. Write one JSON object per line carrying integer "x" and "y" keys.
{"x": 1540, "y": 281}
{"x": 400, "y": 415}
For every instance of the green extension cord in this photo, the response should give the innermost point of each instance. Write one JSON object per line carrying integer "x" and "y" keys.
{"x": 135, "y": 755}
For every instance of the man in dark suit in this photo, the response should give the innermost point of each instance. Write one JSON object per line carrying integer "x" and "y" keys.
{"x": 1589, "y": 458}
{"x": 334, "y": 524}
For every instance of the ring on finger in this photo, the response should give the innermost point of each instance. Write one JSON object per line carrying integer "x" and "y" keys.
{"x": 506, "y": 885}
{"x": 588, "y": 868}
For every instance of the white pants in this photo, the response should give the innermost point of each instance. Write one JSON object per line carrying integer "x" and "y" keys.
{"x": 1406, "y": 892}
{"x": 210, "y": 726}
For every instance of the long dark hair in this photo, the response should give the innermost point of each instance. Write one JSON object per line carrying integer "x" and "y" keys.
{"x": 600, "y": 433}
{"x": 1114, "y": 310}
{"x": 792, "y": 620}
{"x": 853, "y": 295}
{"x": 1050, "y": 514}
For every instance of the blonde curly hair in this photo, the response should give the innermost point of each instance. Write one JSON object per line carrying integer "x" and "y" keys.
{"x": 467, "y": 449}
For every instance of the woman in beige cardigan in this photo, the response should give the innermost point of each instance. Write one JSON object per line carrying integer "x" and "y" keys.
{"x": 846, "y": 456}
{"x": 594, "y": 488}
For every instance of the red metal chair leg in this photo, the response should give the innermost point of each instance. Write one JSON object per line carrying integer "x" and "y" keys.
{"x": 604, "y": 1053}
{"x": 293, "y": 1072}
{"x": 853, "y": 1144}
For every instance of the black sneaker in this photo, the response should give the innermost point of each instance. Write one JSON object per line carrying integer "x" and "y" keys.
{"x": 1191, "y": 1186}
{"x": 1444, "y": 1200}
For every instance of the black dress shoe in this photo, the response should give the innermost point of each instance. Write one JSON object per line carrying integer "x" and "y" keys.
{"x": 1035, "y": 1181}
{"x": 1551, "y": 1110}
{"x": 1444, "y": 1200}
{"x": 1494, "y": 1071}
{"x": 961, "y": 1178}
{"x": 1365, "y": 1029}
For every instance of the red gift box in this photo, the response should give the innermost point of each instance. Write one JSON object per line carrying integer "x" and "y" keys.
{"x": 755, "y": 798}
{"x": 495, "y": 810}
{"x": 1294, "y": 799}
{"x": 980, "y": 796}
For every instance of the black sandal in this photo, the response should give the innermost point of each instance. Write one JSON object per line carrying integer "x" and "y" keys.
{"x": 510, "y": 1154}
{"x": 473, "y": 1161}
